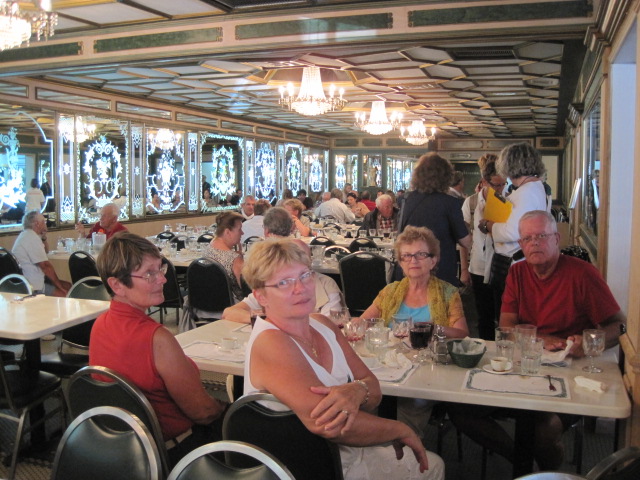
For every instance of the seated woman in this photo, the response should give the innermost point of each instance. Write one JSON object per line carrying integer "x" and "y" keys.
{"x": 300, "y": 222}
{"x": 126, "y": 340}
{"x": 306, "y": 362}
{"x": 359, "y": 209}
{"x": 420, "y": 294}
{"x": 155, "y": 205}
{"x": 221, "y": 249}
{"x": 208, "y": 203}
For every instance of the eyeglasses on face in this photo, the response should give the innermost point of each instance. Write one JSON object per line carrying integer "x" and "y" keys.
{"x": 542, "y": 237}
{"x": 287, "y": 284}
{"x": 151, "y": 277}
{"x": 407, "y": 257}
{"x": 497, "y": 186}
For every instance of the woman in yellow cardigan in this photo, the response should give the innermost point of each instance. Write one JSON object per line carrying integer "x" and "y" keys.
{"x": 420, "y": 294}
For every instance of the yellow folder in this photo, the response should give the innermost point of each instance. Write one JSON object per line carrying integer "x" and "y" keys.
{"x": 497, "y": 208}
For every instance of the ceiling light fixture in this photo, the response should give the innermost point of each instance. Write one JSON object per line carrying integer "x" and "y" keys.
{"x": 16, "y": 27}
{"x": 164, "y": 139}
{"x": 416, "y": 133}
{"x": 378, "y": 123}
{"x": 83, "y": 131}
{"x": 311, "y": 99}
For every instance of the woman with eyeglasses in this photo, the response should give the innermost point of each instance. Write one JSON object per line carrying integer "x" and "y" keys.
{"x": 306, "y": 362}
{"x": 130, "y": 342}
{"x": 420, "y": 293}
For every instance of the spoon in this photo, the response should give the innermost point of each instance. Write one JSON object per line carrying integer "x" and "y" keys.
{"x": 551, "y": 385}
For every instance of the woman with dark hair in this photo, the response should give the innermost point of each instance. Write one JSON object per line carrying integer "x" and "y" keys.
{"x": 429, "y": 205}
{"x": 358, "y": 208}
{"x": 34, "y": 197}
{"x": 226, "y": 249}
{"x": 128, "y": 341}
{"x": 521, "y": 163}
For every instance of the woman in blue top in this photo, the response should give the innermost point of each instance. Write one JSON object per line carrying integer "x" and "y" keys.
{"x": 420, "y": 294}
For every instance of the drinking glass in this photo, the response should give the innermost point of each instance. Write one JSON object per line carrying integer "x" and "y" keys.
{"x": 376, "y": 339}
{"x": 373, "y": 232}
{"x": 354, "y": 331}
{"x": 532, "y": 355}
{"x": 255, "y": 313}
{"x": 173, "y": 250}
{"x": 419, "y": 336}
{"x": 340, "y": 316}
{"x": 505, "y": 338}
{"x": 593, "y": 346}
{"x": 400, "y": 325}
{"x": 524, "y": 332}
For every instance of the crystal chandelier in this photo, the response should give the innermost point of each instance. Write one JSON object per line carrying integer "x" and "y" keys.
{"x": 83, "y": 131}
{"x": 16, "y": 27}
{"x": 164, "y": 139}
{"x": 378, "y": 123}
{"x": 311, "y": 99}
{"x": 416, "y": 133}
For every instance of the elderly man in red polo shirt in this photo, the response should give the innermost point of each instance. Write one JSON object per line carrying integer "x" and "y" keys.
{"x": 108, "y": 223}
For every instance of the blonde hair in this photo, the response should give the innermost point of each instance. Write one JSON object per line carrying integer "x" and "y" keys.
{"x": 266, "y": 258}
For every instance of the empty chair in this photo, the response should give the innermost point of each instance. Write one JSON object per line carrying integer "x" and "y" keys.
{"x": 358, "y": 243}
{"x": 621, "y": 465}
{"x": 82, "y": 265}
{"x": 165, "y": 235}
{"x": 283, "y": 435}
{"x": 15, "y": 283}
{"x": 180, "y": 241}
{"x": 201, "y": 465}
{"x": 173, "y": 297}
{"x": 8, "y": 263}
{"x": 20, "y": 392}
{"x": 65, "y": 362}
{"x": 363, "y": 275}
{"x": 209, "y": 290}
{"x": 337, "y": 249}
{"x": 322, "y": 241}
{"x": 85, "y": 392}
{"x": 205, "y": 238}
{"x": 106, "y": 443}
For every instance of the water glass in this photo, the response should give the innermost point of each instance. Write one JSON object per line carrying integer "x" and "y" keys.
{"x": 373, "y": 232}
{"x": 173, "y": 250}
{"x": 60, "y": 244}
{"x": 373, "y": 322}
{"x": 532, "y": 356}
{"x": 524, "y": 332}
{"x": 376, "y": 339}
{"x": 255, "y": 313}
{"x": 593, "y": 345}
{"x": 317, "y": 255}
{"x": 505, "y": 342}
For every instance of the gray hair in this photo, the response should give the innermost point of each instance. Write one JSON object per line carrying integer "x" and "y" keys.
{"x": 247, "y": 197}
{"x": 542, "y": 214}
{"x": 520, "y": 160}
{"x": 277, "y": 221}
{"x": 114, "y": 208}
{"x": 336, "y": 193}
{"x": 29, "y": 219}
{"x": 382, "y": 198}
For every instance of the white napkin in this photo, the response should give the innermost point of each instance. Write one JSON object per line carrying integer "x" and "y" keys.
{"x": 395, "y": 367}
{"x": 469, "y": 346}
{"x": 557, "y": 359}
{"x": 478, "y": 379}
{"x": 590, "y": 384}
{"x": 213, "y": 351}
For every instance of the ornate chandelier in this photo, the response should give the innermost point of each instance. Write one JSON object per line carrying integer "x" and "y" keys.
{"x": 311, "y": 99}
{"x": 83, "y": 131}
{"x": 416, "y": 133}
{"x": 378, "y": 123}
{"x": 16, "y": 27}
{"x": 164, "y": 139}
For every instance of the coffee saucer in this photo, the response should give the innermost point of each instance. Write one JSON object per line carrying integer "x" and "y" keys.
{"x": 487, "y": 368}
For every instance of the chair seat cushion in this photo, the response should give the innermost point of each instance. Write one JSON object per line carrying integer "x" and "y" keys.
{"x": 26, "y": 388}
{"x": 63, "y": 364}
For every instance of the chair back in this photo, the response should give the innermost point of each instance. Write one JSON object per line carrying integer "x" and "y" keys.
{"x": 171, "y": 288}
{"x": 180, "y": 241}
{"x": 209, "y": 286}
{"x": 165, "y": 235}
{"x": 81, "y": 265}
{"x": 15, "y": 283}
{"x": 337, "y": 249}
{"x": 326, "y": 241}
{"x": 621, "y": 465}
{"x": 8, "y": 263}
{"x": 576, "y": 251}
{"x": 251, "y": 239}
{"x": 283, "y": 435}
{"x": 362, "y": 275}
{"x": 358, "y": 243}
{"x": 89, "y": 288}
{"x": 110, "y": 388}
{"x": 205, "y": 238}
{"x": 92, "y": 448}
{"x": 201, "y": 465}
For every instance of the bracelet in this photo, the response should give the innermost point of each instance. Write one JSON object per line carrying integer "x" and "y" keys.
{"x": 364, "y": 385}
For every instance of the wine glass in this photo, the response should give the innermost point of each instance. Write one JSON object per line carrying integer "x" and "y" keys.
{"x": 340, "y": 316}
{"x": 400, "y": 328}
{"x": 419, "y": 336}
{"x": 593, "y": 345}
{"x": 354, "y": 331}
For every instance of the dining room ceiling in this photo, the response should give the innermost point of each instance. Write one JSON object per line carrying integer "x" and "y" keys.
{"x": 513, "y": 78}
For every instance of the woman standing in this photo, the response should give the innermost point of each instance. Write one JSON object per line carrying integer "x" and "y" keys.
{"x": 307, "y": 363}
{"x": 221, "y": 249}
{"x": 34, "y": 197}
{"x": 430, "y": 206}
{"x": 521, "y": 163}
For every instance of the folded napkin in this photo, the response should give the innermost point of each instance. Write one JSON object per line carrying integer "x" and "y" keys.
{"x": 557, "y": 359}
{"x": 478, "y": 379}
{"x": 469, "y": 346}
{"x": 213, "y": 351}
{"x": 590, "y": 384}
{"x": 394, "y": 368}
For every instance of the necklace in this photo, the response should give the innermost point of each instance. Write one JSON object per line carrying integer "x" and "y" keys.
{"x": 306, "y": 342}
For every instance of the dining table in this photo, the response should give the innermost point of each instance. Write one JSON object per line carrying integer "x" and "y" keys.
{"x": 450, "y": 383}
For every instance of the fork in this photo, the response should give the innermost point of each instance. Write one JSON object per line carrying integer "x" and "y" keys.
{"x": 551, "y": 385}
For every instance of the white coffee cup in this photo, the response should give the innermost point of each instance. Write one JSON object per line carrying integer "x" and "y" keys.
{"x": 229, "y": 343}
{"x": 500, "y": 364}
